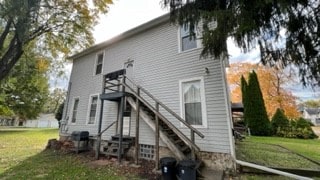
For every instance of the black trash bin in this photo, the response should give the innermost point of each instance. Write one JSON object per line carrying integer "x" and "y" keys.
{"x": 168, "y": 168}
{"x": 187, "y": 170}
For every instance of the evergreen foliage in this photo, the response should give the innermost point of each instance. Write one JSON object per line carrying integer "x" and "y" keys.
{"x": 299, "y": 128}
{"x": 244, "y": 86}
{"x": 59, "y": 113}
{"x": 257, "y": 23}
{"x": 254, "y": 109}
{"x": 279, "y": 121}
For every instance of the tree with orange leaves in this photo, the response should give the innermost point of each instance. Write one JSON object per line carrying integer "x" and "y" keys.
{"x": 272, "y": 81}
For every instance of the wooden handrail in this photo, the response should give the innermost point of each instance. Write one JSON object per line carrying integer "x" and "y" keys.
{"x": 166, "y": 108}
{"x": 165, "y": 120}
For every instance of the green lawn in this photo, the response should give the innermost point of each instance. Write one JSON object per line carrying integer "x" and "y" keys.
{"x": 265, "y": 151}
{"x": 22, "y": 156}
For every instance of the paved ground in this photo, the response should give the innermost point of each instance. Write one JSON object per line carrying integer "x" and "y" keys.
{"x": 316, "y": 130}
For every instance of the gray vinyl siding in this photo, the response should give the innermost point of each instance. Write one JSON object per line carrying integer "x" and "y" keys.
{"x": 158, "y": 67}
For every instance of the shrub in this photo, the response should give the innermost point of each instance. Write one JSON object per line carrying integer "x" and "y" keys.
{"x": 300, "y": 129}
{"x": 279, "y": 121}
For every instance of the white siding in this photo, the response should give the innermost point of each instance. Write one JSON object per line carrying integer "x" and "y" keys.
{"x": 158, "y": 67}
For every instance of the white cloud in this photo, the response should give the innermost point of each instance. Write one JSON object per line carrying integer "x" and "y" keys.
{"x": 236, "y": 55}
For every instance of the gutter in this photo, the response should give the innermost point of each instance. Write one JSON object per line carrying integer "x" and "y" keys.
{"x": 274, "y": 171}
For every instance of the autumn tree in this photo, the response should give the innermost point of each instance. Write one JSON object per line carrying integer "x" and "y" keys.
{"x": 252, "y": 24}
{"x": 57, "y": 27}
{"x": 272, "y": 83}
{"x": 255, "y": 113}
{"x": 26, "y": 88}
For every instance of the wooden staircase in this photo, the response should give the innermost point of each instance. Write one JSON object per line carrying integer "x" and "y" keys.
{"x": 182, "y": 146}
{"x": 117, "y": 87}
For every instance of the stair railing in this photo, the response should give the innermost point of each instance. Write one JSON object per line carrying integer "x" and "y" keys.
{"x": 191, "y": 142}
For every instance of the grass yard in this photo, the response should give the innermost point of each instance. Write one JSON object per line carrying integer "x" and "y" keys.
{"x": 265, "y": 151}
{"x": 22, "y": 157}
{"x": 18, "y": 144}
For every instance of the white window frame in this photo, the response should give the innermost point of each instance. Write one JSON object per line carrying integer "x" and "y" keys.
{"x": 96, "y": 63}
{"x": 89, "y": 109}
{"x": 198, "y": 40}
{"x": 203, "y": 101}
{"x": 72, "y": 109}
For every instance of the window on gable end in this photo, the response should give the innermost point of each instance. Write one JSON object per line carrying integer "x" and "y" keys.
{"x": 187, "y": 40}
{"x": 99, "y": 63}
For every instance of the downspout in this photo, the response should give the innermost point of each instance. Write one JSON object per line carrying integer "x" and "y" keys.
{"x": 65, "y": 110}
{"x": 263, "y": 168}
{"x": 228, "y": 109}
{"x": 100, "y": 120}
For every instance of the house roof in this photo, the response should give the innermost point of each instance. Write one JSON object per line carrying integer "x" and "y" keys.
{"x": 313, "y": 111}
{"x": 129, "y": 33}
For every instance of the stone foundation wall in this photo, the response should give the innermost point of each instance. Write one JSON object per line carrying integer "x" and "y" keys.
{"x": 218, "y": 161}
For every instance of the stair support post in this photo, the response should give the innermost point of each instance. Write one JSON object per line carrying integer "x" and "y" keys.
{"x": 137, "y": 128}
{"x": 193, "y": 156}
{"x": 157, "y": 137}
{"x": 121, "y": 122}
{"x": 99, "y": 130}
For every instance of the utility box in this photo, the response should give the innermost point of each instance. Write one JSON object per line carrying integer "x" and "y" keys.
{"x": 77, "y": 137}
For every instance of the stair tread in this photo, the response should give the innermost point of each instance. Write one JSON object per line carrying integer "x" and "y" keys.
{"x": 117, "y": 142}
{"x": 184, "y": 148}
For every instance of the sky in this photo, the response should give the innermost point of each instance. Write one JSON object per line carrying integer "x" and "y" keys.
{"x": 127, "y": 14}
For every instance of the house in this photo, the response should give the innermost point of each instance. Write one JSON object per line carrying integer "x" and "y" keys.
{"x": 164, "y": 81}
{"x": 312, "y": 114}
{"x": 43, "y": 121}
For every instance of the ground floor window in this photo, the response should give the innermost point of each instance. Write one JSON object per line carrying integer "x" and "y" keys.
{"x": 193, "y": 101}
{"x": 75, "y": 110}
{"x": 146, "y": 151}
{"x": 93, "y": 109}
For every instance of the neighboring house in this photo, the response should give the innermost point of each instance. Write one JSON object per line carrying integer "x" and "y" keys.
{"x": 43, "y": 121}
{"x": 164, "y": 61}
{"x": 312, "y": 114}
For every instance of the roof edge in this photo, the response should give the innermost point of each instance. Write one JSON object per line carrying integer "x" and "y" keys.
{"x": 122, "y": 36}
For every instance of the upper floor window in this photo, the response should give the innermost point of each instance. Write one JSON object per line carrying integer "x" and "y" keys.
{"x": 75, "y": 110}
{"x": 99, "y": 63}
{"x": 187, "y": 40}
{"x": 193, "y": 102}
{"x": 93, "y": 109}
